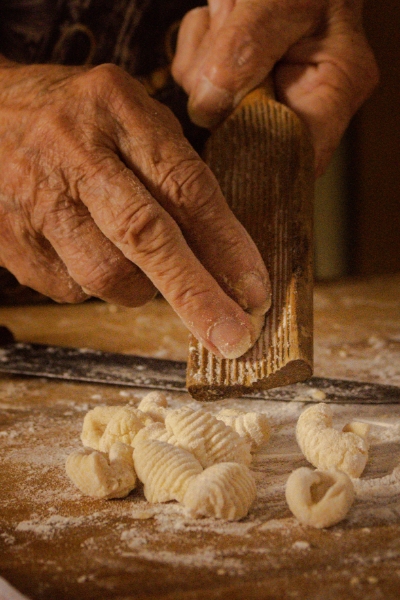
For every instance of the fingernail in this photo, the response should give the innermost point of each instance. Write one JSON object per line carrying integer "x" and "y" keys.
{"x": 254, "y": 293}
{"x": 230, "y": 337}
{"x": 209, "y": 104}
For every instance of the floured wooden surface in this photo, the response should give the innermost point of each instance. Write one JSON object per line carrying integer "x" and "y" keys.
{"x": 56, "y": 544}
{"x": 357, "y": 330}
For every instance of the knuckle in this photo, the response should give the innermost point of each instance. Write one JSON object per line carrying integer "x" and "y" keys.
{"x": 191, "y": 186}
{"x": 144, "y": 229}
{"x": 190, "y": 297}
{"x": 105, "y": 77}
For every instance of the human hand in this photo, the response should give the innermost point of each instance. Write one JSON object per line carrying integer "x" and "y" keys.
{"x": 101, "y": 195}
{"x": 322, "y": 65}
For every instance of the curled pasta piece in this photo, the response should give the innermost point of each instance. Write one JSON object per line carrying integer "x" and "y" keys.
{"x": 123, "y": 426}
{"x": 99, "y": 475}
{"x": 319, "y": 498}
{"x": 225, "y": 490}
{"x": 252, "y": 426}
{"x": 325, "y": 447}
{"x": 165, "y": 470}
{"x": 154, "y": 404}
{"x": 94, "y": 424}
{"x": 210, "y": 440}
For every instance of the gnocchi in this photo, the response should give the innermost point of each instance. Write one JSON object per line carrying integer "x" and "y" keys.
{"x": 99, "y": 475}
{"x": 165, "y": 470}
{"x": 94, "y": 424}
{"x": 252, "y": 426}
{"x": 210, "y": 440}
{"x": 155, "y": 405}
{"x": 225, "y": 490}
{"x": 319, "y": 498}
{"x": 123, "y": 426}
{"x": 186, "y": 455}
{"x": 325, "y": 447}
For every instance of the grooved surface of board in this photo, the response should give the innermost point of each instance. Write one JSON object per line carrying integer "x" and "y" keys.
{"x": 263, "y": 162}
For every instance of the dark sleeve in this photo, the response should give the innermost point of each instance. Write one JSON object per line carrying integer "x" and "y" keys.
{"x": 24, "y": 27}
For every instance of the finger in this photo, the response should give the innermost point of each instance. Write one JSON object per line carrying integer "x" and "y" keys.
{"x": 185, "y": 187}
{"x": 92, "y": 261}
{"x": 34, "y": 263}
{"x": 146, "y": 234}
{"x": 191, "y": 45}
{"x": 327, "y": 93}
{"x": 252, "y": 39}
{"x": 219, "y": 12}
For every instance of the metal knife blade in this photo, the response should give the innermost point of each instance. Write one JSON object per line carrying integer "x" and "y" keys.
{"x": 94, "y": 366}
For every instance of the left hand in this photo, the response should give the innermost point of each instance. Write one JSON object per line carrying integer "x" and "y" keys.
{"x": 323, "y": 67}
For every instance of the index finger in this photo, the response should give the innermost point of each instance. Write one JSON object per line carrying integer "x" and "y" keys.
{"x": 128, "y": 215}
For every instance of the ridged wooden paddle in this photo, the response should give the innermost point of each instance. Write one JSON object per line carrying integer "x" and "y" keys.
{"x": 263, "y": 160}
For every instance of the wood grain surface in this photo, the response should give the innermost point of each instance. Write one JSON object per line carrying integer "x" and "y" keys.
{"x": 263, "y": 160}
{"x": 56, "y": 544}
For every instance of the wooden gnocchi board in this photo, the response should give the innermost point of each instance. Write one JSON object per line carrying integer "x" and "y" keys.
{"x": 55, "y": 544}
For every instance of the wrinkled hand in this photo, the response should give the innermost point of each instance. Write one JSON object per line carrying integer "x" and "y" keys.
{"x": 101, "y": 195}
{"x": 322, "y": 65}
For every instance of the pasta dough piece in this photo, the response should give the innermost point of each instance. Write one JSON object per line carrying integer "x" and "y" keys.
{"x": 225, "y": 490}
{"x": 319, "y": 498}
{"x": 252, "y": 426}
{"x": 154, "y": 404}
{"x": 94, "y": 424}
{"x": 156, "y": 431}
{"x": 99, "y": 475}
{"x": 325, "y": 447}
{"x": 361, "y": 429}
{"x": 165, "y": 470}
{"x": 123, "y": 426}
{"x": 210, "y": 440}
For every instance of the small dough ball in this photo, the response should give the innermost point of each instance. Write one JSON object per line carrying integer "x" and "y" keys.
{"x": 225, "y": 491}
{"x": 210, "y": 440}
{"x": 155, "y": 405}
{"x": 325, "y": 447}
{"x": 165, "y": 470}
{"x": 252, "y": 426}
{"x": 319, "y": 498}
{"x": 94, "y": 424}
{"x": 123, "y": 426}
{"x": 99, "y": 475}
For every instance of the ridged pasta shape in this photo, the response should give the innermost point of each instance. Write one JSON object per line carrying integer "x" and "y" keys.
{"x": 155, "y": 405}
{"x": 210, "y": 440}
{"x": 327, "y": 448}
{"x": 225, "y": 491}
{"x": 319, "y": 498}
{"x": 99, "y": 475}
{"x": 165, "y": 470}
{"x": 252, "y": 426}
{"x": 123, "y": 426}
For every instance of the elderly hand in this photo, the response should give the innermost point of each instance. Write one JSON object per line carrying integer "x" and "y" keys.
{"x": 101, "y": 195}
{"x": 322, "y": 65}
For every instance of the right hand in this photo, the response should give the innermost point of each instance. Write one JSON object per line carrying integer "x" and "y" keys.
{"x": 101, "y": 195}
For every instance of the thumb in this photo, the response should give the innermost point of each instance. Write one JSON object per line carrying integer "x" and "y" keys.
{"x": 244, "y": 43}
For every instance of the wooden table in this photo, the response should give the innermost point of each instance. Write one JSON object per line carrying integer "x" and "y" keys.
{"x": 55, "y": 544}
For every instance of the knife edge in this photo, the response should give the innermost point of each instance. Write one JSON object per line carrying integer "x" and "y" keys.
{"x": 95, "y": 366}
